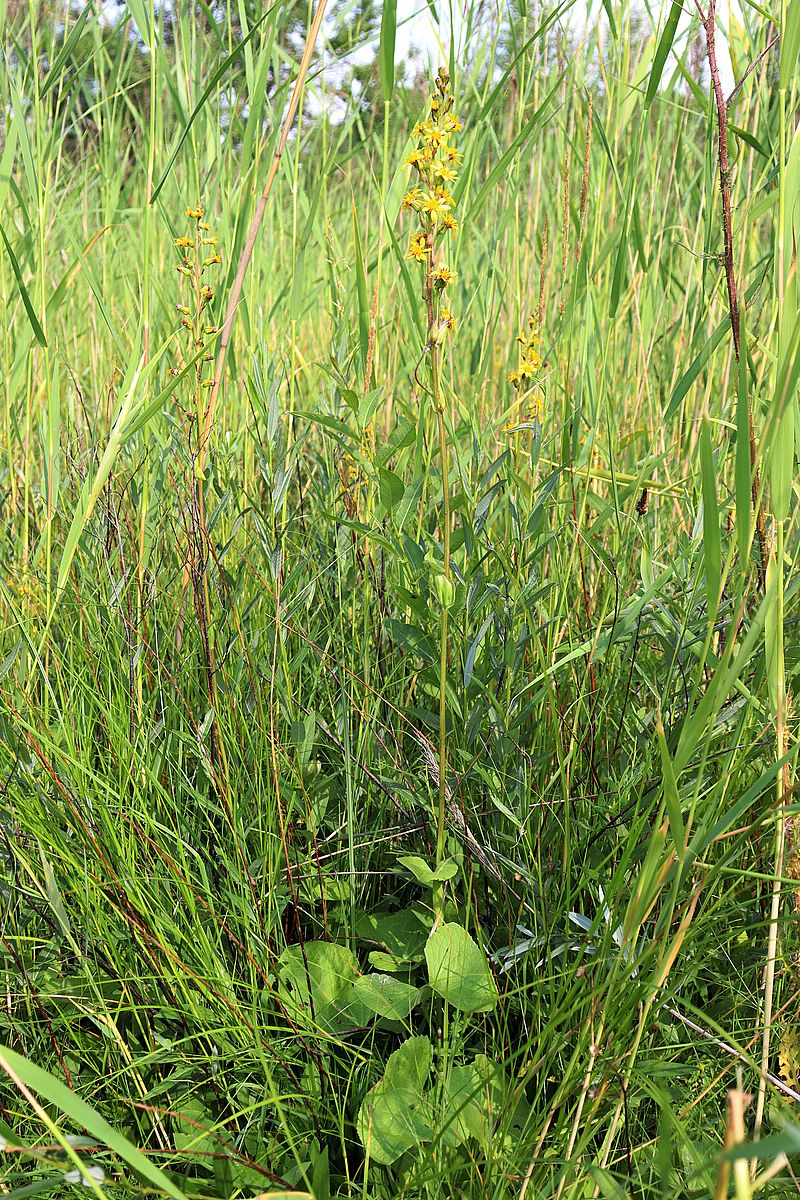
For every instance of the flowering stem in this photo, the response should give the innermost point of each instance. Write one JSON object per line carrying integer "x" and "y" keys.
{"x": 443, "y": 454}
{"x": 436, "y": 161}
{"x": 433, "y": 358}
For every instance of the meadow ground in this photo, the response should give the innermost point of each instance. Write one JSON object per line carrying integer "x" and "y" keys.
{"x": 397, "y": 734}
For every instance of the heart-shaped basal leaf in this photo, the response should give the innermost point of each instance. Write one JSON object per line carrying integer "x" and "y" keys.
{"x": 465, "y": 1102}
{"x": 395, "y": 1115}
{"x": 402, "y": 1112}
{"x": 403, "y": 934}
{"x": 458, "y": 971}
{"x": 386, "y": 996}
{"x": 319, "y": 979}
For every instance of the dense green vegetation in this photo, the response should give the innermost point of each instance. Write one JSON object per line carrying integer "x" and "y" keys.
{"x": 397, "y": 741}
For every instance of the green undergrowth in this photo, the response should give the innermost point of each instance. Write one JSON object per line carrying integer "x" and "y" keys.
{"x": 373, "y": 827}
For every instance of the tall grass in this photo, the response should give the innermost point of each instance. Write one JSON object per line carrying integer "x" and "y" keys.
{"x": 221, "y": 765}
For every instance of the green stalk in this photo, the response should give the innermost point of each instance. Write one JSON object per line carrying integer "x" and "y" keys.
{"x": 444, "y": 458}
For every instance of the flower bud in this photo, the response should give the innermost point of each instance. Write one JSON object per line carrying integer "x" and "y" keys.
{"x": 445, "y": 590}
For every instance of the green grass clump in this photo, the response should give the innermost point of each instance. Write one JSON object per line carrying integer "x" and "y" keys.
{"x": 398, "y": 651}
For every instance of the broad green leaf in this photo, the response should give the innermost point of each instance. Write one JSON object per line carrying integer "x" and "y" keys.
{"x": 465, "y": 1109}
{"x": 458, "y": 971}
{"x": 386, "y": 996}
{"x": 392, "y": 489}
{"x": 424, "y": 874}
{"x": 395, "y": 1116}
{"x": 418, "y": 868}
{"x": 316, "y": 981}
{"x": 402, "y": 933}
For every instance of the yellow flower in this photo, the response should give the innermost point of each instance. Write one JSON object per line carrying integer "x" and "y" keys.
{"x": 445, "y": 327}
{"x": 435, "y": 205}
{"x": 453, "y": 155}
{"x": 450, "y": 223}
{"x": 415, "y": 159}
{"x": 184, "y": 241}
{"x": 537, "y": 405}
{"x": 195, "y": 213}
{"x": 522, "y": 375}
{"x": 445, "y": 172}
{"x": 443, "y": 276}
{"x": 447, "y": 319}
{"x": 434, "y": 136}
{"x": 412, "y": 199}
{"x": 451, "y": 123}
{"x": 416, "y": 247}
